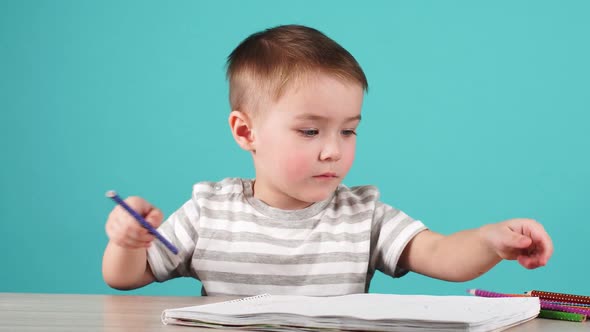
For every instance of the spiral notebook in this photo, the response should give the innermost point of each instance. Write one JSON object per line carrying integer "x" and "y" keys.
{"x": 360, "y": 312}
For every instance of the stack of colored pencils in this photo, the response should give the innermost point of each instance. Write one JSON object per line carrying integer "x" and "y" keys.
{"x": 570, "y": 307}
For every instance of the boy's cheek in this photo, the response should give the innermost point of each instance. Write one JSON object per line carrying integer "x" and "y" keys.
{"x": 296, "y": 165}
{"x": 348, "y": 160}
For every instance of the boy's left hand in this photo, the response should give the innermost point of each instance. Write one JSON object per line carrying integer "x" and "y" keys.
{"x": 522, "y": 239}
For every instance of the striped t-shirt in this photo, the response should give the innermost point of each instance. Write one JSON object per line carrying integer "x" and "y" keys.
{"x": 235, "y": 244}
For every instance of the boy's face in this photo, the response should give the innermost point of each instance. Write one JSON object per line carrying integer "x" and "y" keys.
{"x": 304, "y": 143}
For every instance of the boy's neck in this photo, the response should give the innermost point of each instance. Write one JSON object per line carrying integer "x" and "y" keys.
{"x": 277, "y": 199}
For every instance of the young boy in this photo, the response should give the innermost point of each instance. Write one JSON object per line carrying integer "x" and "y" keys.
{"x": 296, "y": 99}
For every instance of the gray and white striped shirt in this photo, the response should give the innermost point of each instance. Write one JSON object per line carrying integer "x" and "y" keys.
{"x": 236, "y": 244}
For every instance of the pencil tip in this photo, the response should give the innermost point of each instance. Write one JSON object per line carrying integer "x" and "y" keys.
{"x": 111, "y": 193}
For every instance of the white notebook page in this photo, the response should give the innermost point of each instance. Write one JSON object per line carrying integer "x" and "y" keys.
{"x": 467, "y": 309}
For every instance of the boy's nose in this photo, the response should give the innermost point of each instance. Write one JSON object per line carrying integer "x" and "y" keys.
{"x": 331, "y": 151}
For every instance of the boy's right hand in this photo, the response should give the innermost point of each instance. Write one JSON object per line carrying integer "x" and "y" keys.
{"x": 124, "y": 231}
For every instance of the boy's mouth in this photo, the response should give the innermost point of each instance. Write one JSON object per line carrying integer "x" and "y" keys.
{"x": 326, "y": 175}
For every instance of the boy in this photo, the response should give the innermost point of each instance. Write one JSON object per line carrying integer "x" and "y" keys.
{"x": 296, "y": 99}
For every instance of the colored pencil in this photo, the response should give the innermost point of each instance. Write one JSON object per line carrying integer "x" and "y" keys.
{"x": 485, "y": 293}
{"x": 569, "y": 304}
{"x": 551, "y": 314}
{"x": 561, "y": 297}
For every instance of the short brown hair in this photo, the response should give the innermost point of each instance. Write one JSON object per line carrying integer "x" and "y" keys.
{"x": 266, "y": 62}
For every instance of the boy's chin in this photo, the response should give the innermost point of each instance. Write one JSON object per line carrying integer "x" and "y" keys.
{"x": 318, "y": 195}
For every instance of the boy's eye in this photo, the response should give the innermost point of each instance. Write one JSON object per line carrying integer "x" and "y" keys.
{"x": 309, "y": 132}
{"x": 348, "y": 132}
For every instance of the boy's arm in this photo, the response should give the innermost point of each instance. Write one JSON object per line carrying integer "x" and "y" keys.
{"x": 468, "y": 254}
{"x": 124, "y": 263}
{"x": 124, "y": 268}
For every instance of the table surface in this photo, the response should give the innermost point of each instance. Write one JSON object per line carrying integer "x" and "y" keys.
{"x": 74, "y": 312}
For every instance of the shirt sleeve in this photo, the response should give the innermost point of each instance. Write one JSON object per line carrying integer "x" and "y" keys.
{"x": 181, "y": 230}
{"x": 391, "y": 231}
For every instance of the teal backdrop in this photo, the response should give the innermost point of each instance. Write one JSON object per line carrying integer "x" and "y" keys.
{"x": 478, "y": 111}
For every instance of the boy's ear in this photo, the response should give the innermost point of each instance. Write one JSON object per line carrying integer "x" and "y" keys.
{"x": 241, "y": 128}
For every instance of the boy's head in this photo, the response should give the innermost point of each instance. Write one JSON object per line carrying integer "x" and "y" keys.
{"x": 296, "y": 98}
{"x": 269, "y": 62}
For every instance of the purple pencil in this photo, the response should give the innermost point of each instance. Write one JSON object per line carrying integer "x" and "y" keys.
{"x": 551, "y": 306}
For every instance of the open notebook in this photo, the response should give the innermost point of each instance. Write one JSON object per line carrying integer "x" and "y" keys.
{"x": 365, "y": 312}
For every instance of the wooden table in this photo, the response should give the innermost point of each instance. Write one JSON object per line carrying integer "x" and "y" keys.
{"x": 68, "y": 312}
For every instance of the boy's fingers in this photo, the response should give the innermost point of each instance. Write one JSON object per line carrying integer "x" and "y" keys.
{"x": 125, "y": 240}
{"x": 154, "y": 217}
{"x": 541, "y": 247}
{"x": 526, "y": 262}
{"x": 541, "y": 252}
{"x": 150, "y": 213}
{"x": 543, "y": 243}
{"x": 139, "y": 204}
{"x": 128, "y": 228}
{"x": 535, "y": 256}
{"x": 145, "y": 238}
{"x": 140, "y": 235}
{"x": 133, "y": 244}
{"x": 531, "y": 262}
{"x": 515, "y": 240}
{"x": 133, "y": 230}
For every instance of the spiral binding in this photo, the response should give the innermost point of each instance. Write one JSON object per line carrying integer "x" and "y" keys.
{"x": 250, "y": 298}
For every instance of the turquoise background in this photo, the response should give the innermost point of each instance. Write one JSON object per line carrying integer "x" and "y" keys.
{"x": 477, "y": 112}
